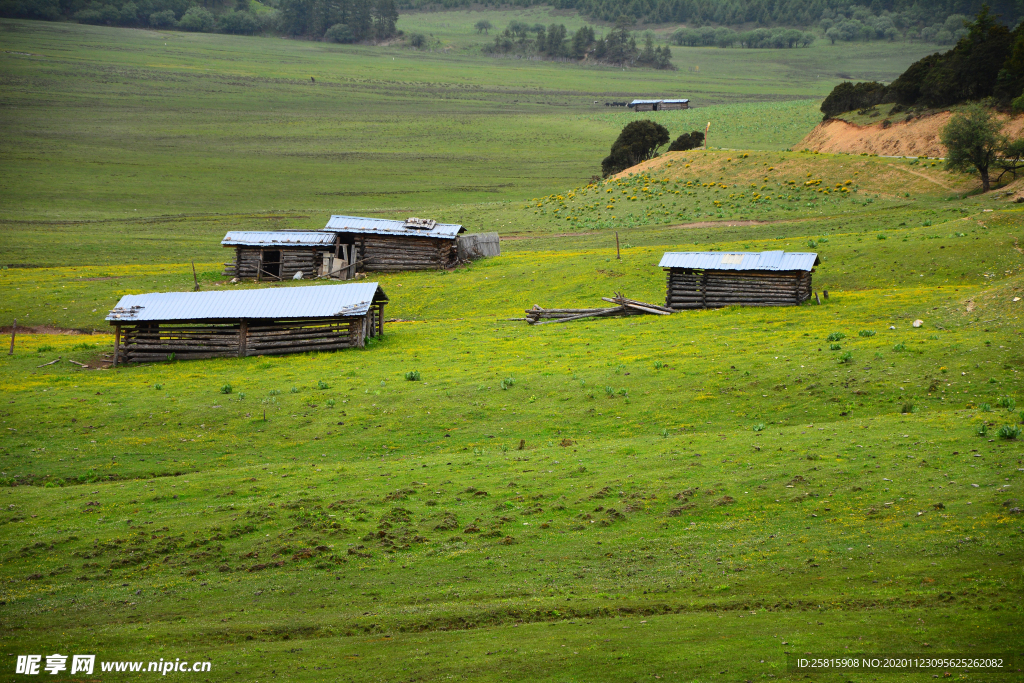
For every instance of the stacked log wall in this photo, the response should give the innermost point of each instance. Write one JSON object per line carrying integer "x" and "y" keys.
{"x": 692, "y": 289}
{"x": 393, "y": 253}
{"x": 146, "y": 342}
{"x": 247, "y": 263}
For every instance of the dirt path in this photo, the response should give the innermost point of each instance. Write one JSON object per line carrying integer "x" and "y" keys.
{"x": 922, "y": 175}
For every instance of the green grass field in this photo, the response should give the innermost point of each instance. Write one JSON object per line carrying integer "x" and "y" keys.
{"x": 696, "y": 497}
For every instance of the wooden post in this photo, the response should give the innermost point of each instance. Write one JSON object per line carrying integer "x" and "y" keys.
{"x": 825, "y": 292}
{"x": 194, "y": 278}
{"x": 817, "y": 299}
{"x": 243, "y": 335}
{"x": 380, "y": 320}
{"x": 117, "y": 343}
{"x": 617, "y": 254}
{"x": 259, "y": 267}
{"x": 13, "y": 328}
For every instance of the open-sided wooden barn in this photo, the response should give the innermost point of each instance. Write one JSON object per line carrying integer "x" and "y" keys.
{"x": 715, "y": 279}
{"x": 277, "y": 255}
{"x": 658, "y": 105}
{"x": 377, "y": 244}
{"x": 251, "y": 322}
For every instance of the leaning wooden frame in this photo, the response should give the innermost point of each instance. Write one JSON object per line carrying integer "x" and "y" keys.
{"x": 197, "y": 325}
{"x": 535, "y": 315}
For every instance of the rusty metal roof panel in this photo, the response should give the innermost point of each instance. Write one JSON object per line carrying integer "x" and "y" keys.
{"x": 383, "y": 226}
{"x": 247, "y": 238}
{"x": 318, "y": 301}
{"x": 739, "y": 260}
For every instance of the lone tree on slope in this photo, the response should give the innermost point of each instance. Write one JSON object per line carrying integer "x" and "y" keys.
{"x": 638, "y": 142}
{"x": 973, "y": 140}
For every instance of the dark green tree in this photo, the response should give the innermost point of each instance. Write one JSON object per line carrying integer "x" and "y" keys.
{"x": 483, "y": 26}
{"x": 687, "y": 141}
{"x": 638, "y": 142}
{"x": 973, "y": 141}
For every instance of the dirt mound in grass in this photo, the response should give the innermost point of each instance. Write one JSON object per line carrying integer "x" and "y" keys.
{"x": 918, "y": 137}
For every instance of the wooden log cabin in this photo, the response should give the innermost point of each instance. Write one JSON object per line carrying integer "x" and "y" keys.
{"x": 277, "y": 255}
{"x": 381, "y": 245}
{"x": 658, "y": 105}
{"x": 715, "y": 279}
{"x": 252, "y": 322}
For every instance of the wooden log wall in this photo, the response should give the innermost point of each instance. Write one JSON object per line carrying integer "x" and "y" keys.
{"x": 691, "y": 289}
{"x": 147, "y": 342}
{"x": 247, "y": 262}
{"x": 392, "y": 253}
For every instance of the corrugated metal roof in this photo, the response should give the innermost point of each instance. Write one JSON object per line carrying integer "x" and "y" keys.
{"x": 318, "y": 301}
{"x": 382, "y": 226}
{"x": 247, "y": 238}
{"x": 635, "y": 102}
{"x": 674, "y": 101}
{"x": 740, "y": 260}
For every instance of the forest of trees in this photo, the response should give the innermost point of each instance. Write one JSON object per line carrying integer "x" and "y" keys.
{"x": 341, "y": 21}
{"x": 619, "y": 47}
{"x": 988, "y": 62}
{"x": 934, "y": 21}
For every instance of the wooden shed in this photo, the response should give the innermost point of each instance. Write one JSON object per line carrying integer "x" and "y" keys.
{"x": 668, "y": 105}
{"x": 643, "y": 105}
{"x": 715, "y": 279}
{"x": 658, "y": 105}
{"x": 277, "y": 255}
{"x": 252, "y": 322}
{"x": 377, "y": 244}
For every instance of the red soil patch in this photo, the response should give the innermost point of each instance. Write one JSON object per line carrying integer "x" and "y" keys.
{"x": 916, "y": 138}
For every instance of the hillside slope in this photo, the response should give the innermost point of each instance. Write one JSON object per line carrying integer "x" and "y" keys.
{"x": 917, "y": 137}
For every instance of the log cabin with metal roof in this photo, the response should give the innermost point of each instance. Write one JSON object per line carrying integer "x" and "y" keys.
{"x": 277, "y": 255}
{"x": 382, "y": 245}
{"x": 247, "y": 322}
{"x": 715, "y": 279}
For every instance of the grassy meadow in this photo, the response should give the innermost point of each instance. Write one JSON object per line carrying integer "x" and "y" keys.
{"x": 695, "y": 497}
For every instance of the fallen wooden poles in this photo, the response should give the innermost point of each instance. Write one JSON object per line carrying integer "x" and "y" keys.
{"x": 536, "y": 315}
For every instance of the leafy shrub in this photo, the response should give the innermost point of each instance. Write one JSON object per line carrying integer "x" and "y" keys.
{"x": 846, "y": 357}
{"x": 908, "y": 408}
{"x": 197, "y": 18}
{"x": 866, "y": 333}
{"x": 339, "y": 33}
{"x": 413, "y": 376}
{"x": 45, "y": 348}
{"x": 835, "y": 336}
{"x": 759, "y": 427}
{"x": 986, "y": 407}
{"x": 609, "y": 391}
{"x": 417, "y": 40}
{"x": 226, "y": 389}
{"x": 899, "y": 347}
{"x": 240, "y": 23}
{"x": 274, "y": 392}
{"x": 1007, "y": 402}
{"x": 658, "y": 365}
{"x": 294, "y": 390}
{"x": 508, "y": 383}
{"x": 1009, "y": 432}
{"x": 982, "y": 430}
{"x": 158, "y": 386}
{"x": 834, "y": 347}
{"x": 320, "y": 384}
{"x": 330, "y": 403}
{"x": 162, "y": 19}
{"x": 812, "y": 244}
